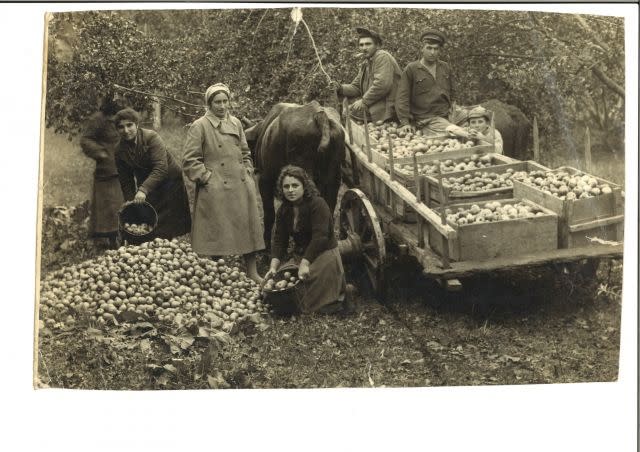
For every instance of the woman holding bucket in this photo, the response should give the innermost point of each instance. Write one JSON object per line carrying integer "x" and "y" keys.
{"x": 217, "y": 159}
{"x": 305, "y": 217}
{"x": 148, "y": 172}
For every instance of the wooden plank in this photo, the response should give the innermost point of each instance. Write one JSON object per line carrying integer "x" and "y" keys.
{"x": 536, "y": 140}
{"x": 587, "y": 150}
{"x": 484, "y": 195}
{"x": 445, "y": 253}
{"x": 596, "y": 223}
{"x": 402, "y": 233}
{"x": 403, "y": 193}
{"x": 490, "y": 240}
{"x": 367, "y": 138}
{"x": 468, "y": 268}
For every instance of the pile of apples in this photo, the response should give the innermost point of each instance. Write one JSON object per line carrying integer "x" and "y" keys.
{"x": 492, "y": 211}
{"x": 280, "y": 282}
{"x": 563, "y": 184}
{"x": 158, "y": 281}
{"x": 138, "y": 229}
{"x": 406, "y": 143}
{"x": 479, "y": 181}
{"x": 475, "y": 161}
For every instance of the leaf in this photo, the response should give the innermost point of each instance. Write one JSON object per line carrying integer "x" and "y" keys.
{"x": 145, "y": 345}
{"x": 222, "y": 337}
{"x": 204, "y": 331}
{"x": 163, "y": 379}
{"x": 217, "y": 381}
{"x": 67, "y": 244}
{"x": 178, "y": 343}
{"x": 94, "y": 333}
{"x": 142, "y": 329}
{"x": 170, "y": 368}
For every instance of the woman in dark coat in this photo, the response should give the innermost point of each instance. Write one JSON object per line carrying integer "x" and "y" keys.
{"x": 305, "y": 217}
{"x": 98, "y": 142}
{"x": 148, "y": 172}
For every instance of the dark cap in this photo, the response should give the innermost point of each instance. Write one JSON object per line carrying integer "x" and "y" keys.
{"x": 433, "y": 36}
{"x": 366, "y": 33}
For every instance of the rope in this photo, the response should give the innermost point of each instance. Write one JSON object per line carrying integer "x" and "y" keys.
{"x": 313, "y": 43}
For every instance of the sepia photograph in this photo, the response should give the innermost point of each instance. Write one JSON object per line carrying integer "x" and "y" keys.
{"x": 349, "y": 197}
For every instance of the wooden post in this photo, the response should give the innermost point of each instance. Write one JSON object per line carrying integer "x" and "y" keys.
{"x": 493, "y": 132}
{"x": 536, "y": 141}
{"x": 392, "y": 170}
{"x": 418, "y": 184}
{"x": 347, "y": 111}
{"x": 157, "y": 114}
{"x": 366, "y": 138}
{"x": 587, "y": 150}
{"x": 443, "y": 219}
{"x": 392, "y": 175}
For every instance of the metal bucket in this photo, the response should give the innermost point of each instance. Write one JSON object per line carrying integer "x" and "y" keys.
{"x": 137, "y": 213}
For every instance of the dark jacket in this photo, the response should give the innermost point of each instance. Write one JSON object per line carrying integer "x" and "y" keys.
{"x": 314, "y": 232}
{"x": 420, "y": 96}
{"x": 98, "y": 141}
{"x": 147, "y": 160}
{"x": 376, "y": 83}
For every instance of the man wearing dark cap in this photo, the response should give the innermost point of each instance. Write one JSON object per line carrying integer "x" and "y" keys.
{"x": 425, "y": 91}
{"x": 376, "y": 81}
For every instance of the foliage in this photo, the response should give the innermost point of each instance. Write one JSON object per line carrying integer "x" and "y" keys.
{"x": 566, "y": 70}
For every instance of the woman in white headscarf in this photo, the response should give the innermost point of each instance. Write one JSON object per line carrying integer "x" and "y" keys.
{"x": 217, "y": 159}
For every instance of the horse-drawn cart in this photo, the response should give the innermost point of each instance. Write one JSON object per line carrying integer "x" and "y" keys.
{"x": 375, "y": 210}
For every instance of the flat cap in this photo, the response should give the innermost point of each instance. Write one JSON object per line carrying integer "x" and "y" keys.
{"x": 366, "y": 33}
{"x": 480, "y": 112}
{"x": 433, "y": 35}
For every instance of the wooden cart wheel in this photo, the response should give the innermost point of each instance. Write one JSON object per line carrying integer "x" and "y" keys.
{"x": 361, "y": 237}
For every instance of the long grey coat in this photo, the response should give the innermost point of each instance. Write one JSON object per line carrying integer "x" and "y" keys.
{"x": 225, "y": 215}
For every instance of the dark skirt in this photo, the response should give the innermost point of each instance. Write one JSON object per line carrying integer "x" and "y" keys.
{"x": 106, "y": 200}
{"x": 172, "y": 204}
{"x": 326, "y": 283}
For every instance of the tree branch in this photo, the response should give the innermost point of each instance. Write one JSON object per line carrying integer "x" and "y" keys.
{"x": 608, "y": 82}
{"x": 156, "y": 95}
{"x": 592, "y": 34}
{"x": 507, "y": 55}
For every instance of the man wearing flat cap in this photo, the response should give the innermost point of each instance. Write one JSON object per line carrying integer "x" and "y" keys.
{"x": 376, "y": 81}
{"x": 425, "y": 91}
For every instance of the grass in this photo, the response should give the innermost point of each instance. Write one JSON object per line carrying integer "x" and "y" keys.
{"x": 68, "y": 173}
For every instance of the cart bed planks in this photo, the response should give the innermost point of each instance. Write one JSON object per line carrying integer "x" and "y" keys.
{"x": 378, "y": 185}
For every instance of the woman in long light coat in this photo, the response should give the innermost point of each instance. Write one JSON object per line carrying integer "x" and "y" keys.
{"x": 218, "y": 160}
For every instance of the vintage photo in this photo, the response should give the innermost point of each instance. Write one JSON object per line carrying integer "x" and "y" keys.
{"x": 330, "y": 197}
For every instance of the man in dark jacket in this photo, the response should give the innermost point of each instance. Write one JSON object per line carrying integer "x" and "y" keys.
{"x": 376, "y": 81}
{"x": 425, "y": 91}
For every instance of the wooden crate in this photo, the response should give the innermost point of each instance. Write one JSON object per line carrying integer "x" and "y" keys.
{"x": 434, "y": 198}
{"x": 483, "y": 241}
{"x": 382, "y": 158}
{"x": 405, "y": 213}
{"x": 600, "y": 217}
{"x": 408, "y": 180}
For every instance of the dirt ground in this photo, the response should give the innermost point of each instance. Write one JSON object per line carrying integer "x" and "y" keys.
{"x": 544, "y": 325}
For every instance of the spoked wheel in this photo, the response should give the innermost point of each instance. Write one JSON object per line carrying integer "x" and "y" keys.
{"x": 361, "y": 237}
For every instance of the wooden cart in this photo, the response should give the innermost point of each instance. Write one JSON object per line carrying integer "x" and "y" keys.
{"x": 369, "y": 217}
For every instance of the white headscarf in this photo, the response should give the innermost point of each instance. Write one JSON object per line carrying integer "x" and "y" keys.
{"x": 213, "y": 90}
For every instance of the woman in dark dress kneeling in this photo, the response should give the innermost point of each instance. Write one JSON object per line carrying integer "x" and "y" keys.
{"x": 148, "y": 172}
{"x": 305, "y": 217}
